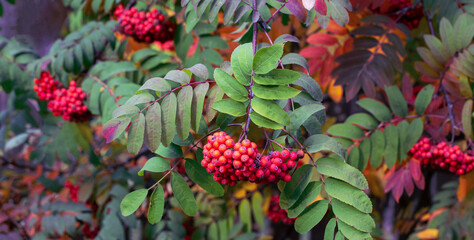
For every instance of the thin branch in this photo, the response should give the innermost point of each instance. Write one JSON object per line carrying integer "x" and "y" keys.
{"x": 111, "y": 93}
{"x": 276, "y": 12}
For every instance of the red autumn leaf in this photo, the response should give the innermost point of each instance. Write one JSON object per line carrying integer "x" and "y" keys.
{"x": 321, "y": 7}
{"x": 313, "y": 52}
{"x": 322, "y": 38}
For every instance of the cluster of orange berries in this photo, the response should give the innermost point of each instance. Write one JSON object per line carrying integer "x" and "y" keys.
{"x": 443, "y": 156}
{"x": 230, "y": 162}
{"x": 276, "y": 214}
{"x": 73, "y": 190}
{"x": 145, "y": 26}
{"x": 65, "y": 102}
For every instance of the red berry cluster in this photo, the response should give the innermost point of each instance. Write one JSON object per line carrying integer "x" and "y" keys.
{"x": 73, "y": 190}
{"x": 68, "y": 103}
{"x": 230, "y": 162}
{"x": 45, "y": 86}
{"x": 145, "y": 26}
{"x": 65, "y": 102}
{"x": 276, "y": 214}
{"x": 90, "y": 232}
{"x": 411, "y": 18}
{"x": 443, "y": 156}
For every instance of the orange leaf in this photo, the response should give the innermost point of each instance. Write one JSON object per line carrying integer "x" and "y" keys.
{"x": 335, "y": 92}
{"x": 428, "y": 234}
{"x": 466, "y": 183}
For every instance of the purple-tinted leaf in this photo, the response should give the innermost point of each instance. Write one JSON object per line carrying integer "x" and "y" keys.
{"x": 297, "y": 9}
{"x": 114, "y": 127}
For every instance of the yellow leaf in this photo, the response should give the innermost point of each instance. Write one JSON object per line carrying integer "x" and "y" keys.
{"x": 240, "y": 193}
{"x": 428, "y": 234}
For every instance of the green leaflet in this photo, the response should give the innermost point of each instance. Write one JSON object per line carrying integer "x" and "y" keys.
{"x": 136, "y": 134}
{"x": 230, "y": 107}
{"x": 337, "y": 168}
{"x": 329, "y": 231}
{"x": 402, "y": 133}
{"x": 320, "y": 142}
{"x": 168, "y": 119}
{"x": 397, "y": 102}
{"x": 115, "y": 127}
{"x": 376, "y": 108}
{"x": 354, "y": 157}
{"x": 245, "y": 57}
{"x": 423, "y": 99}
{"x": 346, "y": 130}
{"x": 365, "y": 149}
{"x": 183, "y": 115}
{"x": 155, "y": 164}
{"x": 183, "y": 194}
{"x": 353, "y": 217}
{"x": 274, "y": 92}
{"x": 125, "y": 110}
{"x": 230, "y": 86}
{"x": 215, "y": 94}
{"x": 157, "y": 205}
{"x": 377, "y": 140}
{"x": 311, "y": 216}
{"x": 348, "y": 194}
{"x": 277, "y": 77}
{"x": 153, "y": 127}
{"x": 266, "y": 59}
{"x": 197, "y": 105}
{"x": 142, "y": 97}
{"x": 201, "y": 177}
{"x": 257, "y": 209}
{"x": 132, "y": 201}
{"x": 363, "y": 120}
{"x": 391, "y": 145}
{"x": 301, "y": 114}
{"x": 156, "y": 84}
{"x": 244, "y": 213}
{"x": 350, "y": 233}
{"x": 239, "y": 73}
{"x": 414, "y": 131}
{"x": 262, "y": 121}
{"x": 297, "y": 184}
{"x": 310, "y": 193}
{"x": 270, "y": 110}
